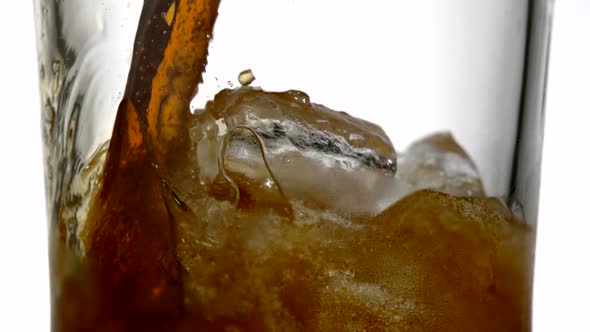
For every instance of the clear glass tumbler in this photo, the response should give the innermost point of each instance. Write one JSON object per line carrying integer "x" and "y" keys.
{"x": 202, "y": 174}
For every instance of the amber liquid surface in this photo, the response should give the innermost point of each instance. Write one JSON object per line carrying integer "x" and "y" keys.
{"x": 172, "y": 243}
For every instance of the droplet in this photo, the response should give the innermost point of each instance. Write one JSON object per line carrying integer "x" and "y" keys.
{"x": 48, "y": 121}
{"x": 55, "y": 67}
{"x": 231, "y": 85}
{"x": 246, "y": 77}
{"x": 56, "y": 70}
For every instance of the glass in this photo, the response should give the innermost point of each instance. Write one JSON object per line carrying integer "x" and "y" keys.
{"x": 245, "y": 210}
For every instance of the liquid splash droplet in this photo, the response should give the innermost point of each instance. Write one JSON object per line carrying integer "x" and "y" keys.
{"x": 246, "y": 77}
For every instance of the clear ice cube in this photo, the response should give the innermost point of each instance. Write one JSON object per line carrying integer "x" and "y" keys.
{"x": 299, "y": 150}
{"x": 438, "y": 162}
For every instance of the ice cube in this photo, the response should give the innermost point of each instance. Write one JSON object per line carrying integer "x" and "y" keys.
{"x": 438, "y": 162}
{"x": 327, "y": 159}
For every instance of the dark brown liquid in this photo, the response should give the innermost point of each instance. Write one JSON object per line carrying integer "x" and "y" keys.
{"x": 431, "y": 262}
{"x": 129, "y": 279}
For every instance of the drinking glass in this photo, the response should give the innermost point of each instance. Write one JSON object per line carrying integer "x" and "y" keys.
{"x": 181, "y": 196}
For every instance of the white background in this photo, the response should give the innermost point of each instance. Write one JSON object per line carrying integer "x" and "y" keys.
{"x": 562, "y": 286}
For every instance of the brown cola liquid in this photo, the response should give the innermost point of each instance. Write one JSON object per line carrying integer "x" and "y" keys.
{"x": 430, "y": 262}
